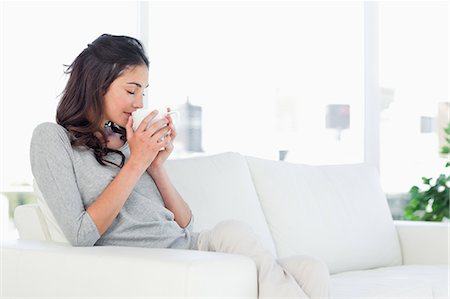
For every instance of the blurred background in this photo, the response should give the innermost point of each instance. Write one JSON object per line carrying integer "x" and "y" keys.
{"x": 301, "y": 81}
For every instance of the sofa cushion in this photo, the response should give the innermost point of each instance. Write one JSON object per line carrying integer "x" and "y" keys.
{"x": 55, "y": 232}
{"x": 393, "y": 282}
{"x": 219, "y": 187}
{"x": 30, "y": 223}
{"x": 337, "y": 213}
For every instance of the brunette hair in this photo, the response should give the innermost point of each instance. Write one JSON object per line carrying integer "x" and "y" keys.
{"x": 81, "y": 108}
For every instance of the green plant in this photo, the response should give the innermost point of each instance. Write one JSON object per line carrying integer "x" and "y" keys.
{"x": 431, "y": 204}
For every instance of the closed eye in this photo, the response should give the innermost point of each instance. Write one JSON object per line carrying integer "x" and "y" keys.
{"x": 132, "y": 92}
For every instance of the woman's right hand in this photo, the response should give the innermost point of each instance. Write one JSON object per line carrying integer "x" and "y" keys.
{"x": 145, "y": 143}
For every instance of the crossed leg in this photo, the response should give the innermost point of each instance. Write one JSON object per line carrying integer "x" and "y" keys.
{"x": 274, "y": 281}
{"x": 310, "y": 273}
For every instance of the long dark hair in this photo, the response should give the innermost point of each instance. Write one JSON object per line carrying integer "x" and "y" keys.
{"x": 81, "y": 107}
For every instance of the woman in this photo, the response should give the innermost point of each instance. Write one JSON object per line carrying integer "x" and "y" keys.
{"x": 106, "y": 183}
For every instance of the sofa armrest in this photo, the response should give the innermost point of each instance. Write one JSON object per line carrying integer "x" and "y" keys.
{"x": 424, "y": 242}
{"x": 56, "y": 270}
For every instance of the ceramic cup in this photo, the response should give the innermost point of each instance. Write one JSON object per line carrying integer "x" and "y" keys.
{"x": 140, "y": 114}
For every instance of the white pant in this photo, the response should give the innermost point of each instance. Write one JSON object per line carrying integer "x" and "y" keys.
{"x": 291, "y": 277}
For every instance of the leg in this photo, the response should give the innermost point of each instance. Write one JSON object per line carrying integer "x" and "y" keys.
{"x": 237, "y": 237}
{"x": 310, "y": 273}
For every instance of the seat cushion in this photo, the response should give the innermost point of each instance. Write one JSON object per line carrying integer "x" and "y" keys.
{"x": 219, "y": 187}
{"x": 337, "y": 213}
{"x": 393, "y": 282}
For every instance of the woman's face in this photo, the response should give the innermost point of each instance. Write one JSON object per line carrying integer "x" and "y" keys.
{"x": 125, "y": 95}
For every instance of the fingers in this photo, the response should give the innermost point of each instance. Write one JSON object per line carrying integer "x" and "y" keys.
{"x": 169, "y": 117}
{"x": 143, "y": 125}
{"x": 158, "y": 125}
{"x": 167, "y": 144}
{"x": 161, "y": 133}
{"x": 170, "y": 112}
{"x": 129, "y": 127}
{"x": 173, "y": 132}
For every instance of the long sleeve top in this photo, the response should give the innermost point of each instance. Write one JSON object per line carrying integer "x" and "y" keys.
{"x": 71, "y": 179}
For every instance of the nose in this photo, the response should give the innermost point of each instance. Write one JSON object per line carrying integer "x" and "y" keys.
{"x": 139, "y": 102}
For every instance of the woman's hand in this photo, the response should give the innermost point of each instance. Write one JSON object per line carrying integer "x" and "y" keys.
{"x": 164, "y": 153}
{"x": 145, "y": 144}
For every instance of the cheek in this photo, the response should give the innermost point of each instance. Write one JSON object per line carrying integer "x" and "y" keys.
{"x": 115, "y": 102}
{"x": 110, "y": 106}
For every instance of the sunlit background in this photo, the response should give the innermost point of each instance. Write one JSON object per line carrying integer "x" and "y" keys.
{"x": 304, "y": 82}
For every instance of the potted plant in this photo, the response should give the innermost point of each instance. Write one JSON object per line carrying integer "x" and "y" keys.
{"x": 432, "y": 202}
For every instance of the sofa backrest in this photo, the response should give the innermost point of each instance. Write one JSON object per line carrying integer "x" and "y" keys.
{"x": 54, "y": 230}
{"x": 31, "y": 223}
{"x": 337, "y": 213}
{"x": 36, "y": 221}
{"x": 217, "y": 187}
{"x": 220, "y": 187}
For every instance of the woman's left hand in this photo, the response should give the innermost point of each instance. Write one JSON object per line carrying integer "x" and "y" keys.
{"x": 163, "y": 154}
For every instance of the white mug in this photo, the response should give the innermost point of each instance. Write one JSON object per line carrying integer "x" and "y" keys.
{"x": 140, "y": 114}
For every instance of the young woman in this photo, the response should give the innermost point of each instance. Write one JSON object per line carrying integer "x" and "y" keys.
{"x": 106, "y": 184}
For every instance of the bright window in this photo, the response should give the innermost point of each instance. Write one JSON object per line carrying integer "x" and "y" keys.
{"x": 269, "y": 76}
{"x": 413, "y": 58}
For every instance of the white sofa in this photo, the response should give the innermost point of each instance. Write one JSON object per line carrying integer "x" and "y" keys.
{"x": 336, "y": 213}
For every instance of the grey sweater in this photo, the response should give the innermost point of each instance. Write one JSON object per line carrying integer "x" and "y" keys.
{"x": 71, "y": 179}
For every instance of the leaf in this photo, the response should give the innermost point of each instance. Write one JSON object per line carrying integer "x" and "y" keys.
{"x": 447, "y": 212}
{"x": 426, "y": 181}
{"x": 445, "y": 150}
{"x": 441, "y": 180}
{"x": 447, "y": 130}
{"x": 413, "y": 191}
{"x": 411, "y": 216}
{"x": 432, "y": 203}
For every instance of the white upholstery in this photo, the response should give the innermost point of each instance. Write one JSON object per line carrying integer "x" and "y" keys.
{"x": 31, "y": 223}
{"x": 424, "y": 242}
{"x": 336, "y": 213}
{"x": 56, "y": 270}
{"x": 419, "y": 282}
{"x": 54, "y": 231}
{"x": 344, "y": 203}
{"x": 217, "y": 188}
